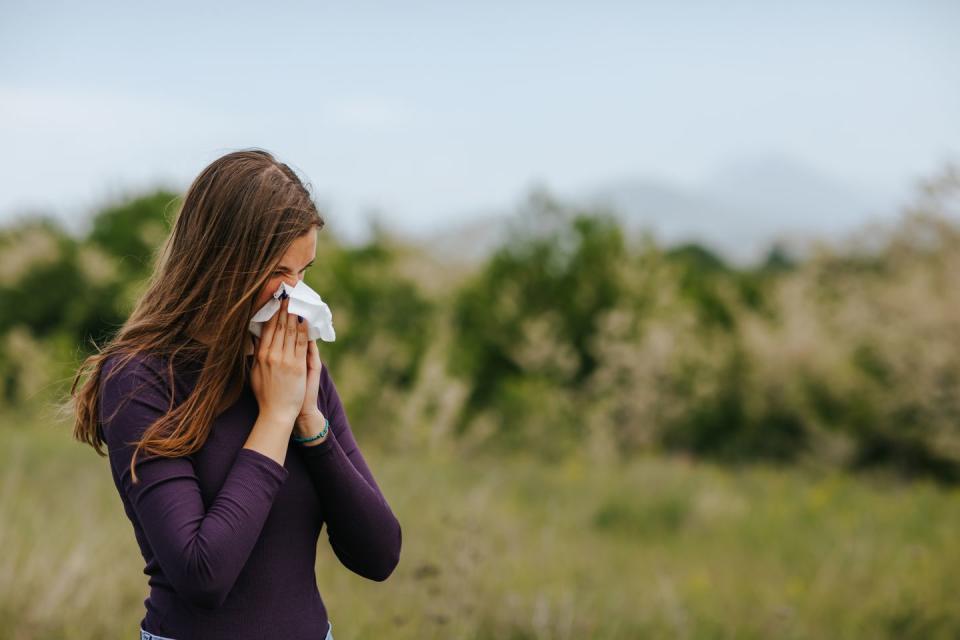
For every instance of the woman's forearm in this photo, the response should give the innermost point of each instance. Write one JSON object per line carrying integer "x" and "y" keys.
{"x": 270, "y": 436}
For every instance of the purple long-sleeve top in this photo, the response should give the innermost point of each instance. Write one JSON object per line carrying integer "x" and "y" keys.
{"x": 229, "y": 535}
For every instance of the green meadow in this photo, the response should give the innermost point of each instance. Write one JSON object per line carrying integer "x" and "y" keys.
{"x": 515, "y": 547}
{"x": 586, "y": 434}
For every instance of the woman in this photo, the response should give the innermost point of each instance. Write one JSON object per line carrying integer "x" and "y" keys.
{"x": 230, "y": 452}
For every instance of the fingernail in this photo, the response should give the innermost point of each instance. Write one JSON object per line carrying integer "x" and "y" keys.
{"x": 299, "y": 319}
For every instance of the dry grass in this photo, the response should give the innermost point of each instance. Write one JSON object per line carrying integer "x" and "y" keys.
{"x": 515, "y": 548}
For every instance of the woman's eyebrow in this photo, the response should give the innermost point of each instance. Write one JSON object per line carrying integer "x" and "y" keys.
{"x": 283, "y": 268}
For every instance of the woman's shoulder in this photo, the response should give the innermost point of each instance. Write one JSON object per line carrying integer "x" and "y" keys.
{"x": 149, "y": 365}
{"x": 120, "y": 368}
{"x": 135, "y": 389}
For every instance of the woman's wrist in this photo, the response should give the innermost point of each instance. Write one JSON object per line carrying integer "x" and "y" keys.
{"x": 313, "y": 428}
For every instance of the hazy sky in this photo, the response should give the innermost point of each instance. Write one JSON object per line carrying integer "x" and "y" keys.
{"x": 430, "y": 110}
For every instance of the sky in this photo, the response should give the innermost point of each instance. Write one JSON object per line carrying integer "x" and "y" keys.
{"x": 422, "y": 113}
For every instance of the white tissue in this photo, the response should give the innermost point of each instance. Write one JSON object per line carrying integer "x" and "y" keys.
{"x": 304, "y": 302}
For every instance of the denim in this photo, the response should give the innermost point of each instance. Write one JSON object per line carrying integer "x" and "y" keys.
{"x": 146, "y": 635}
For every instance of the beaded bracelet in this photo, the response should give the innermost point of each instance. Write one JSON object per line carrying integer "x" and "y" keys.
{"x": 323, "y": 432}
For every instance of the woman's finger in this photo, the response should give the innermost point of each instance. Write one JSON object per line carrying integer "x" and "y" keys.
{"x": 281, "y": 331}
{"x": 290, "y": 341}
{"x": 302, "y": 339}
{"x": 267, "y": 332}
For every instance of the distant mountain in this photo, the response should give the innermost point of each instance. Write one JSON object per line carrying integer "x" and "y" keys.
{"x": 741, "y": 209}
{"x": 465, "y": 241}
{"x": 673, "y": 214}
{"x": 738, "y": 211}
{"x": 790, "y": 192}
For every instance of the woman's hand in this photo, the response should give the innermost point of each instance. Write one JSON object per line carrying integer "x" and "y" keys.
{"x": 310, "y": 420}
{"x": 309, "y": 411}
{"x": 279, "y": 372}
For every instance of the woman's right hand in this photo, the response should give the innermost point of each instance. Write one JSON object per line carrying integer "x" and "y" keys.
{"x": 279, "y": 372}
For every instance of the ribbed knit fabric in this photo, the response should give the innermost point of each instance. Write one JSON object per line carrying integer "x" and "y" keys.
{"x": 228, "y": 535}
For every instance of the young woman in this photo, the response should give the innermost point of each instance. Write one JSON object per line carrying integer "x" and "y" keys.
{"x": 230, "y": 452}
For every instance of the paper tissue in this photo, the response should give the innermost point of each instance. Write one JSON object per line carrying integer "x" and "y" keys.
{"x": 304, "y": 302}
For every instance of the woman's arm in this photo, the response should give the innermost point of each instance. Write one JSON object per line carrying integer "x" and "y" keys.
{"x": 200, "y": 550}
{"x": 362, "y": 529}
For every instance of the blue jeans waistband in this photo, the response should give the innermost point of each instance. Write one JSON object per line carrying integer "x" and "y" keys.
{"x": 146, "y": 635}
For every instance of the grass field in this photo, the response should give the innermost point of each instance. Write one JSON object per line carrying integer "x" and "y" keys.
{"x": 516, "y": 548}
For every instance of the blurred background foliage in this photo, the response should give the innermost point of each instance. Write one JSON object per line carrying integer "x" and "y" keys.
{"x": 747, "y": 451}
{"x": 573, "y": 337}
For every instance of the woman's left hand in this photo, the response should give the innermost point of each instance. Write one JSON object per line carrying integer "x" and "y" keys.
{"x": 310, "y": 414}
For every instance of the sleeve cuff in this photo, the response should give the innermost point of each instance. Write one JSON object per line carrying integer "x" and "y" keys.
{"x": 322, "y": 450}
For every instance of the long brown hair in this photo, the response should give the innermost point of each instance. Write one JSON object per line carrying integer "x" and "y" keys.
{"x": 238, "y": 219}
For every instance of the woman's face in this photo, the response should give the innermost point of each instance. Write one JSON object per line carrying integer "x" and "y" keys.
{"x": 292, "y": 266}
